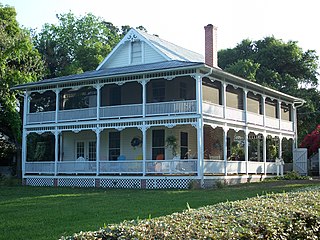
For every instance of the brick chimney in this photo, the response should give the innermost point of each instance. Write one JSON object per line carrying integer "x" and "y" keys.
{"x": 211, "y": 52}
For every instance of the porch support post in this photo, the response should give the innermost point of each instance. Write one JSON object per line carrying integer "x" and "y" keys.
{"x": 225, "y": 149}
{"x": 263, "y": 98}
{"x": 24, "y": 133}
{"x": 280, "y": 147}
{"x": 97, "y": 131}
{"x": 279, "y": 113}
{"x": 245, "y": 105}
{"x": 144, "y": 147}
{"x": 224, "y": 98}
{"x": 57, "y": 91}
{"x": 246, "y": 150}
{"x": 56, "y": 150}
{"x": 294, "y": 120}
{"x": 144, "y": 95}
{"x": 264, "y": 140}
{"x": 98, "y": 87}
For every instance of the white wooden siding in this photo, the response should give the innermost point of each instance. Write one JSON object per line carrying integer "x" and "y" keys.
{"x": 120, "y": 57}
{"x": 150, "y": 55}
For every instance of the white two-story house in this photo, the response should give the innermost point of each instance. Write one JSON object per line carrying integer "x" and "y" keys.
{"x": 154, "y": 115}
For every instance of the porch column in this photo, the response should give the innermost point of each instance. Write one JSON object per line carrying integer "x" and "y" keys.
{"x": 56, "y": 150}
{"x": 245, "y": 105}
{"x": 263, "y": 97}
{"x": 280, "y": 147}
{"x": 57, "y": 91}
{"x": 97, "y": 131}
{"x": 279, "y": 113}
{"x": 294, "y": 120}
{"x": 246, "y": 150}
{"x": 200, "y": 148}
{"x": 144, "y": 129}
{"x": 98, "y": 87}
{"x": 144, "y": 95}
{"x": 24, "y": 133}
{"x": 224, "y": 98}
{"x": 225, "y": 149}
{"x": 264, "y": 142}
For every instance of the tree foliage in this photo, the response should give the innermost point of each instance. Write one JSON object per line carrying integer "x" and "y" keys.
{"x": 75, "y": 44}
{"x": 312, "y": 141}
{"x": 19, "y": 63}
{"x": 280, "y": 65}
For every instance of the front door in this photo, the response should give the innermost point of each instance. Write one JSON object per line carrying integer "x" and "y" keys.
{"x": 86, "y": 150}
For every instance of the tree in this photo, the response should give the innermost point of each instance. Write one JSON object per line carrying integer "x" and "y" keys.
{"x": 280, "y": 65}
{"x": 312, "y": 141}
{"x": 76, "y": 44}
{"x": 19, "y": 63}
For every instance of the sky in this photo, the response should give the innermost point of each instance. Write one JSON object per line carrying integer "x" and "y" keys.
{"x": 182, "y": 21}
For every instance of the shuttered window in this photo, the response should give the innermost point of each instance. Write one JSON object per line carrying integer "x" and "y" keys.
{"x": 136, "y": 52}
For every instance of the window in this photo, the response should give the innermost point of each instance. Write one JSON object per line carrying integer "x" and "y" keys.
{"x": 184, "y": 145}
{"x": 115, "y": 95}
{"x": 136, "y": 53}
{"x": 183, "y": 90}
{"x": 158, "y": 91}
{"x": 158, "y": 145}
{"x": 80, "y": 150}
{"x": 92, "y": 151}
{"x": 114, "y": 145}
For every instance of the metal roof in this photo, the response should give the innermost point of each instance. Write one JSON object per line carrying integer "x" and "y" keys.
{"x": 112, "y": 72}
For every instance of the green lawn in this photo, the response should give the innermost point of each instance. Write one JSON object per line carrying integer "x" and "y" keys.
{"x": 48, "y": 213}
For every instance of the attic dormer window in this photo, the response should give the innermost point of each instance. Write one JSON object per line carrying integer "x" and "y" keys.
{"x": 136, "y": 52}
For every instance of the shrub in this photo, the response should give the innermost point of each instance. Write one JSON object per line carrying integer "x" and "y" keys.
{"x": 294, "y": 215}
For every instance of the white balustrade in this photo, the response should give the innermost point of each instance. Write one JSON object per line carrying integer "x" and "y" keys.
{"x": 286, "y": 125}
{"x": 184, "y": 166}
{"x": 41, "y": 117}
{"x": 174, "y": 107}
{"x": 236, "y": 167}
{"x": 77, "y": 114}
{"x": 272, "y": 122}
{"x": 74, "y": 167}
{"x": 271, "y": 167}
{"x": 213, "y": 167}
{"x": 121, "y": 167}
{"x": 255, "y": 167}
{"x": 255, "y": 118}
{"x": 134, "y": 110}
{"x": 39, "y": 167}
{"x": 235, "y": 114}
{"x": 212, "y": 109}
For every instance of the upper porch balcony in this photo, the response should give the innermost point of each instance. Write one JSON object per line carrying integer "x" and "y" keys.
{"x": 158, "y": 97}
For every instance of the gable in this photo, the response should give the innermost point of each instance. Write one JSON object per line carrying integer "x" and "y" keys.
{"x": 138, "y": 47}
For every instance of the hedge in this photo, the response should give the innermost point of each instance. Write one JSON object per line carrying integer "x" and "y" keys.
{"x": 293, "y": 215}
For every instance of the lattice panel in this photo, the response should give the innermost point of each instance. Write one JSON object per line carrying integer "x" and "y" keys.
{"x": 48, "y": 182}
{"x": 168, "y": 183}
{"x": 76, "y": 182}
{"x": 120, "y": 183}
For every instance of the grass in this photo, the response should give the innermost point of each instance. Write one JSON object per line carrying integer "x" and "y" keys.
{"x": 48, "y": 213}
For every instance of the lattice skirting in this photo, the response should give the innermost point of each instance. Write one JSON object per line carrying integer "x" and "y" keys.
{"x": 76, "y": 182}
{"x": 120, "y": 183}
{"x": 40, "y": 182}
{"x": 111, "y": 183}
{"x": 167, "y": 183}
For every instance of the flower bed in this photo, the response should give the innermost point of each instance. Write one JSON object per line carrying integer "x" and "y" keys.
{"x": 294, "y": 215}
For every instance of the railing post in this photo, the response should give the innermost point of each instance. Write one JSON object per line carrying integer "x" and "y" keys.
{"x": 144, "y": 129}
{"x": 264, "y": 142}
{"x": 245, "y": 105}
{"x": 263, "y": 97}
{"x": 97, "y": 131}
{"x": 279, "y": 113}
{"x": 225, "y": 155}
{"x": 57, "y": 91}
{"x": 224, "y": 98}
{"x": 98, "y": 87}
{"x": 246, "y": 150}
{"x": 56, "y": 151}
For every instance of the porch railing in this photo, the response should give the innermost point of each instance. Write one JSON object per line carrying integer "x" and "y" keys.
{"x": 286, "y": 125}
{"x": 185, "y": 166}
{"x": 121, "y": 167}
{"x": 77, "y": 114}
{"x": 39, "y": 167}
{"x": 235, "y": 114}
{"x": 174, "y": 107}
{"x": 71, "y": 167}
{"x": 213, "y": 109}
{"x": 133, "y": 110}
{"x": 41, "y": 117}
{"x": 255, "y": 118}
{"x": 272, "y": 122}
